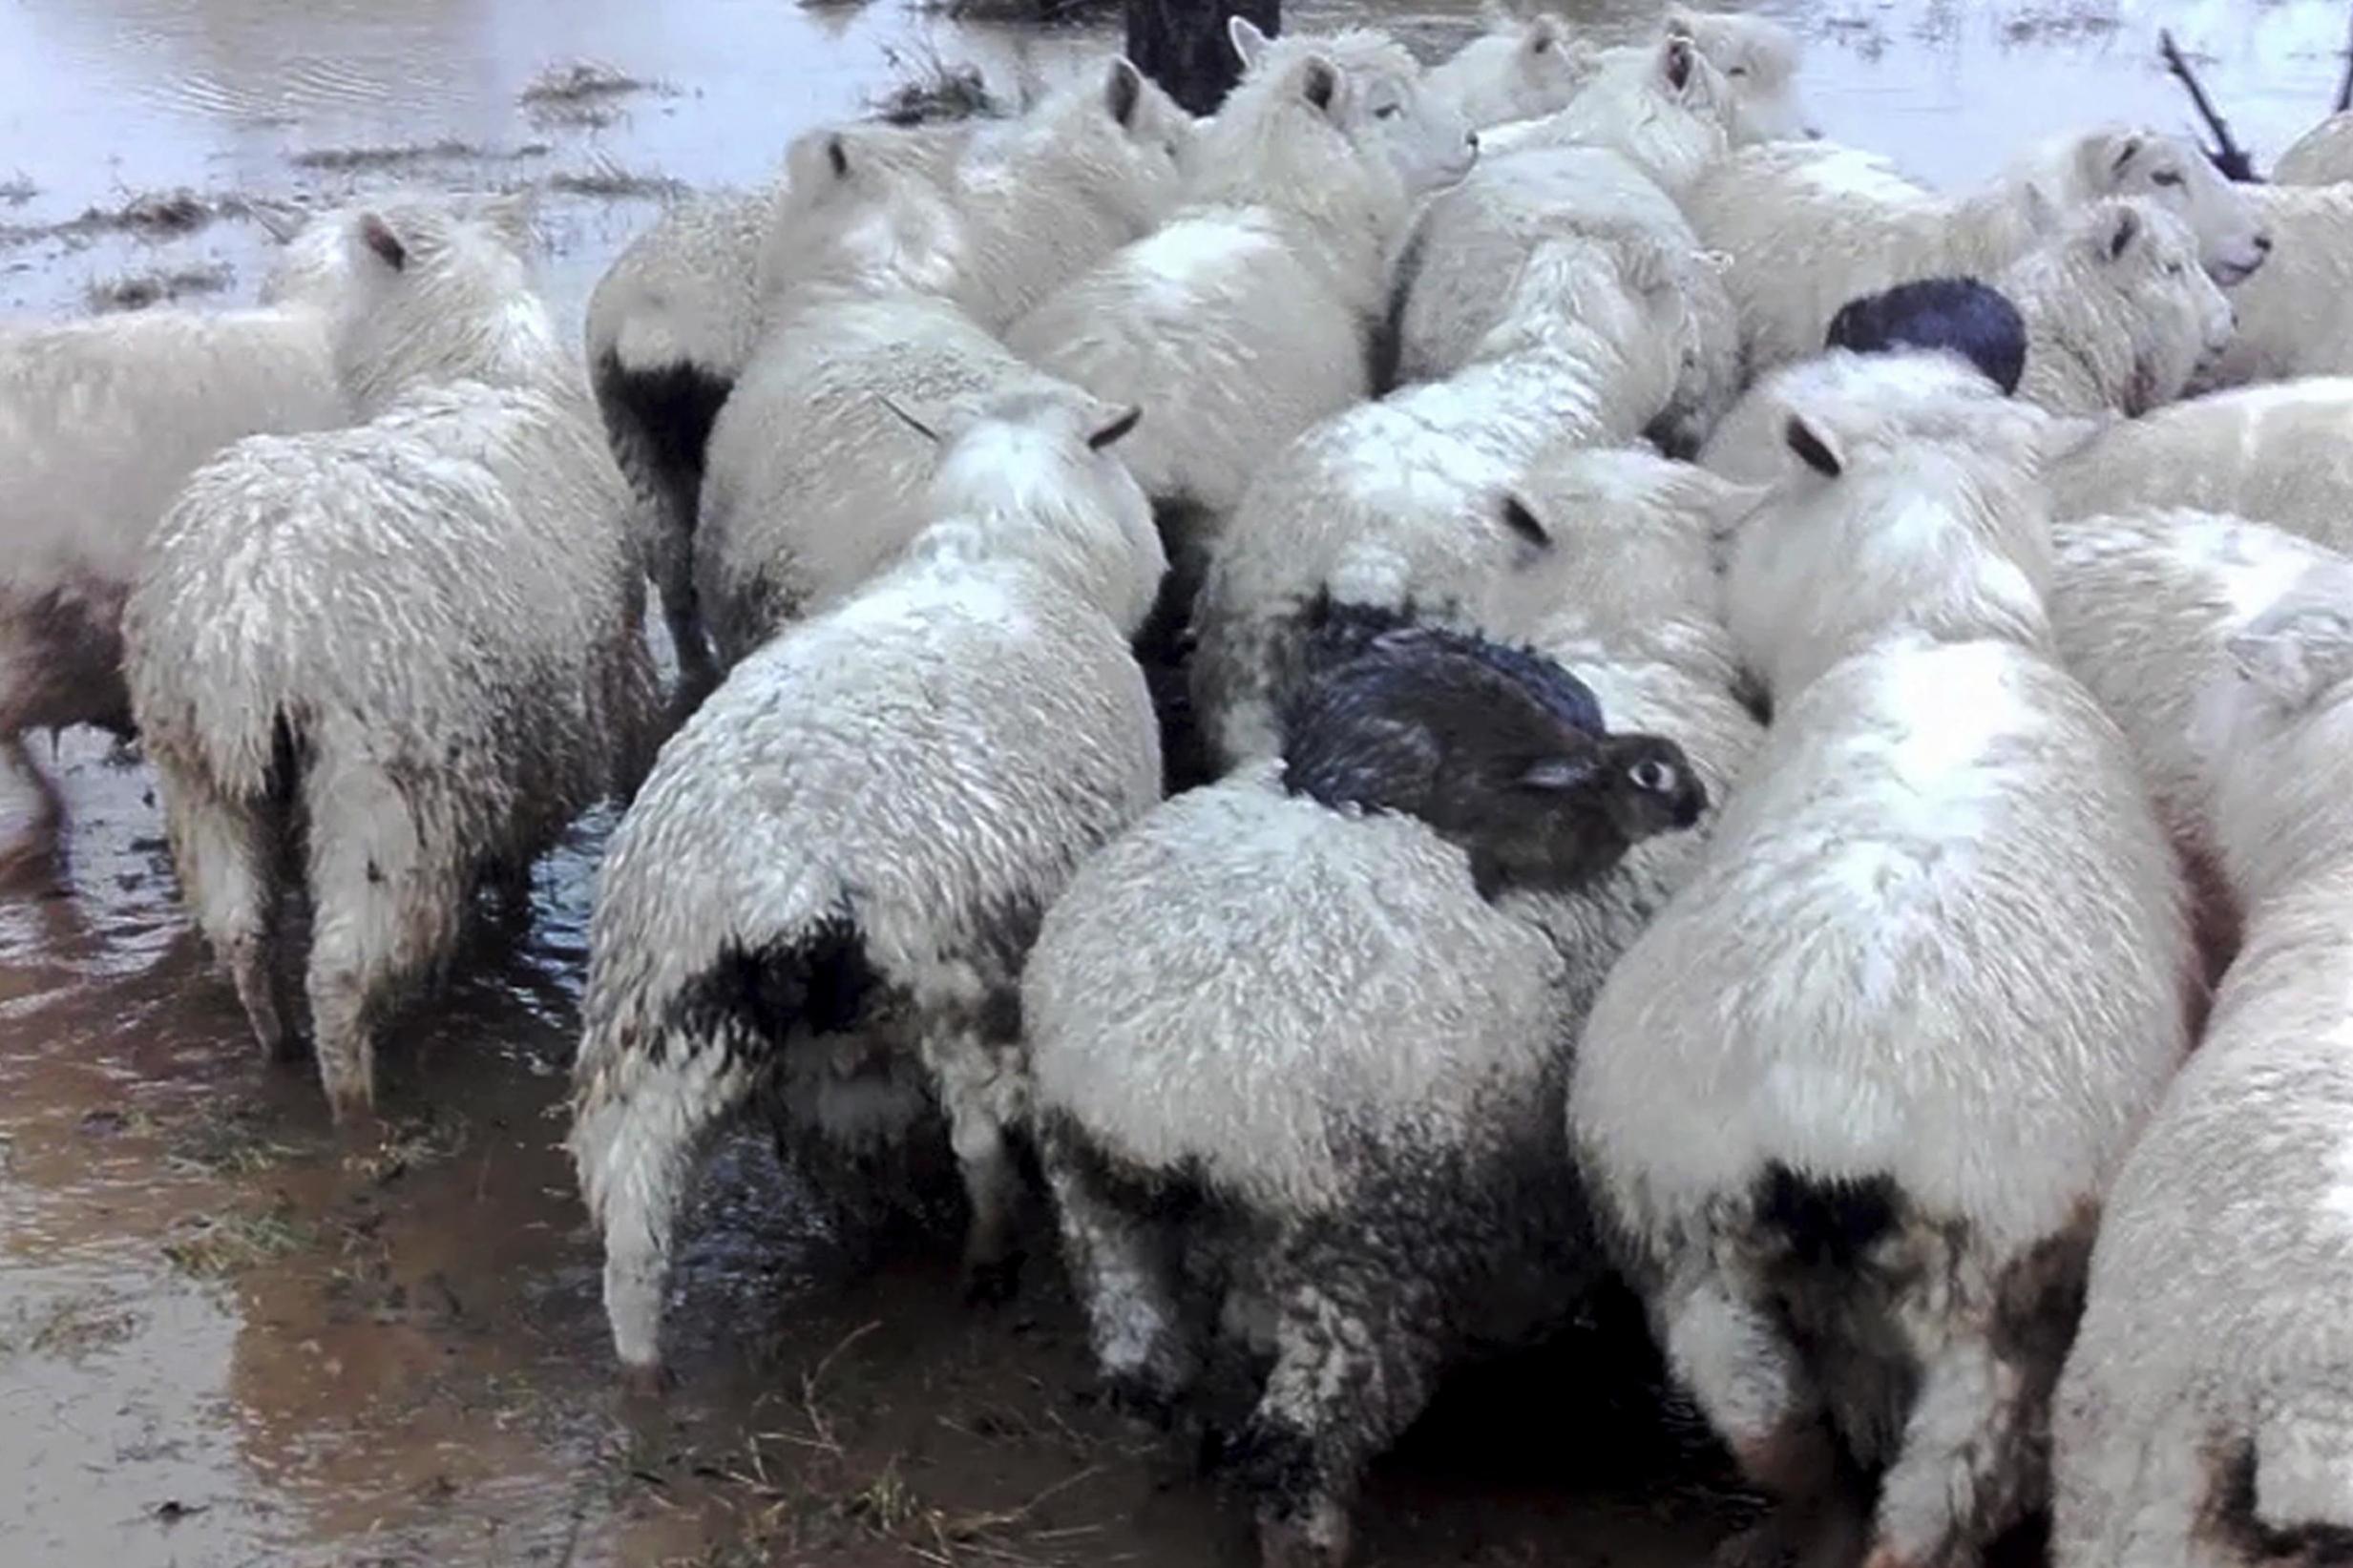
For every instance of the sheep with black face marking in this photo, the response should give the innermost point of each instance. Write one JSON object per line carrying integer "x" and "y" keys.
{"x": 413, "y": 647}
{"x": 821, "y": 900}
{"x": 2206, "y": 1415}
{"x": 101, "y": 422}
{"x": 1339, "y": 1152}
{"x": 1811, "y": 226}
{"x": 1405, "y": 500}
{"x": 2281, "y": 454}
{"x": 1849, "y": 1104}
{"x": 1248, "y": 316}
{"x": 1486, "y": 228}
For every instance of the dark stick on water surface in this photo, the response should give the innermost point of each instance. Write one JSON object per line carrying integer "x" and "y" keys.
{"x": 2227, "y": 155}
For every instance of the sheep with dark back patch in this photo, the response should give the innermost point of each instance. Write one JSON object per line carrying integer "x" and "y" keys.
{"x": 820, "y": 902}
{"x": 1297, "y": 1040}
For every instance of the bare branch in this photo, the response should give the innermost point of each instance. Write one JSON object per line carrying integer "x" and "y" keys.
{"x": 2226, "y": 155}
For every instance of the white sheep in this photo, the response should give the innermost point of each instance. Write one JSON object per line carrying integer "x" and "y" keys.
{"x": 824, "y": 893}
{"x": 101, "y": 422}
{"x": 1299, "y": 1051}
{"x": 1760, "y": 60}
{"x": 2281, "y": 454}
{"x": 2144, "y": 608}
{"x": 1850, "y": 1101}
{"x": 1519, "y": 68}
{"x": 1811, "y": 226}
{"x": 1406, "y": 501}
{"x": 2205, "y": 1417}
{"x": 1248, "y": 317}
{"x": 2119, "y": 314}
{"x": 2291, "y": 319}
{"x": 1665, "y": 106}
{"x": 413, "y": 647}
{"x": 2323, "y": 156}
{"x": 1484, "y": 229}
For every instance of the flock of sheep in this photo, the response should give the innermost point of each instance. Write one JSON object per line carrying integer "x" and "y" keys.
{"x": 1446, "y": 684}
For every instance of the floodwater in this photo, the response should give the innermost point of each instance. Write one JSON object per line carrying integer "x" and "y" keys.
{"x": 226, "y": 1338}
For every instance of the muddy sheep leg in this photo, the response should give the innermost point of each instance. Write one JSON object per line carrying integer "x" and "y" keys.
{"x": 640, "y": 1130}
{"x": 979, "y": 1092}
{"x": 387, "y": 905}
{"x": 1358, "y": 1341}
{"x": 1976, "y": 1452}
{"x": 228, "y": 861}
{"x": 1123, "y": 1268}
{"x": 1748, "y": 1380}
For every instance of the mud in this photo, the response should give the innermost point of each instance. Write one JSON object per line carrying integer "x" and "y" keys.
{"x": 226, "y": 1338}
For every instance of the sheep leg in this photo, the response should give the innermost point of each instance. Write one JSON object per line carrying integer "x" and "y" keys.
{"x": 1749, "y": 1382}
{"x": 978, "y": 1091}
{"x": 681, "y": 615}
{"x": 386, "y": 906}
{"x": 1358, "y": 1340}
{"x": 227, "y": 863}
{"x": 1975, "y": 1458}
{"x": 1125, "y": 1278}
{"x": 641, "y": 1126}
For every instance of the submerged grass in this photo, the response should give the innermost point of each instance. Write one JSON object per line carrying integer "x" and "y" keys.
{"x": 221, "y": 1246}
{"x": 67, "y": 1327}
{"x": 137, "y": 290}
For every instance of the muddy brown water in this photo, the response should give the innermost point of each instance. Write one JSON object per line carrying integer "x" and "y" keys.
{"x": 226, "y": 1338}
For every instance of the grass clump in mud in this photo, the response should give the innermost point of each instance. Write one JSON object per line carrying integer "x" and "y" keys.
{"x": 229, "y": 1138}
{"x": 411, "y": 1143}
{"x": 137, "y": 290}
{"x": 609, "y": 181}
{"x": 930, "y": 88}
{"x": 67, "y": 1328}
{"x": 221, "y": 1246}
{"x": 400, "y": 155}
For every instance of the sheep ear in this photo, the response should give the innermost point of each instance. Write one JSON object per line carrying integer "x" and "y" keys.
{"x": 378, "y": 236}
{"x": 2295, "y": 653}
{"x": 1247, "y": 41}
{"x": 2120, "y": 234}
{"x": 2125, "y": 151}
{"x": 1675, "y": 62}
{"x": 1108, "y": 430}
{"x": 1319, "y": 84}
{"x": 1557, "y": 773}
{"x": 1123, "y": 90}
{"x": 1521, "y": 519}
{"x": 817, "y": 159}
{"x": 1815, "y": 448}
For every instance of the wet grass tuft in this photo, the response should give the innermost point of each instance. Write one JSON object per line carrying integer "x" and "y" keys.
{"x": 221, "y": 1246}
{"x": 226, "y": 1138}
{"x": 154, "y": 216}
{"x": 931, "y": 89}
{"x": 609, "y": 181}
{"x": 411, "y": 1143}
{"x": 401, "y": 154}
{"x": 139, "y": 290}
{"x": 68, "y": 1329}
{"x": 582, "y": 81}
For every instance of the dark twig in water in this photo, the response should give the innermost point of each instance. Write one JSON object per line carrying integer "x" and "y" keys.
{"x": 2345, "y": 87}
{"x": 2226, "y": 155}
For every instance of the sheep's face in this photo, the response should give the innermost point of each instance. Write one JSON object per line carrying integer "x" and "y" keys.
{"x": 1959, "y": 315}
{"x": 1499, "y": 750}
{"x": 1758, "y": 61}
{"x": 2177, "y": 316}
{"x": 2175, "y": 175}
{"x": 1368, "y": 88}
{"x": 1519, "y": 70}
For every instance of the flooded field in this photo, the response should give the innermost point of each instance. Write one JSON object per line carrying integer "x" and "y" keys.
{"x": 227, "y": 1339}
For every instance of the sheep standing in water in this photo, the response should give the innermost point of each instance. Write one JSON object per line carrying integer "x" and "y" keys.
{"x": 1298, "y": 1040}
{"x": 1851, "y": 1102}
{"x": 413, "y": 648}
{"x": 820, "y": 903}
